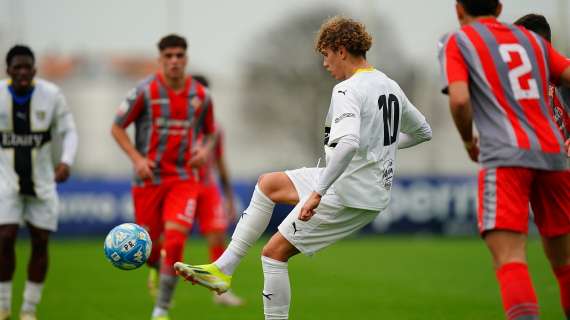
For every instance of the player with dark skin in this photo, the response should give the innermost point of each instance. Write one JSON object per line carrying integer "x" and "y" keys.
{"x": 22, "y": 71}
{"x": 36, "y": 206}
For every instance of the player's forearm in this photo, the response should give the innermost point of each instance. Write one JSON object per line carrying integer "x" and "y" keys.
{"x": 461, "y": 111}
{"x": 123, "y": 140}
{"x": 69, "y": 143}
{"x": 422, "y": 134}
{"x": 463, "y": 118}
{"x": 339, "y": 161}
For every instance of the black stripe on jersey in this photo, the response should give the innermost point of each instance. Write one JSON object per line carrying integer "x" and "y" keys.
{"x": 23, "y": 141}
{"x": 23, "y": 154}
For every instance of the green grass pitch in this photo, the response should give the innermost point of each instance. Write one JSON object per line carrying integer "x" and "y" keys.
{"x": 359, "y": 278}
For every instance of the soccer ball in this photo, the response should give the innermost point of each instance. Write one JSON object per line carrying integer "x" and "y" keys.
{"x": 127, "y": 246}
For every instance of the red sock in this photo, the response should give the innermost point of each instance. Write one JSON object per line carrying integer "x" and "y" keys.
{"x": 519, "y": 299}
{"x": 216, "y": 251}
{"x": 563, "y": 276}
{"x": 173, "y": 247}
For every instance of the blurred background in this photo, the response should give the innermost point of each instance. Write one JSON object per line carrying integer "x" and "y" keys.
{"x": 270, "y": 91}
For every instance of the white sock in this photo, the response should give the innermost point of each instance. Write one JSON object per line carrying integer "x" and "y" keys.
{"x": 276, "y": 289}
{"x": 250, "y": 227}
{"x": 32, "y": 296}
{"x": 159, "y": 312}
{"x": 6, "y": 296}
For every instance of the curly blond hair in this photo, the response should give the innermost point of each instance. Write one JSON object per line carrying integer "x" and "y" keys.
{"x": 344, "y": 32}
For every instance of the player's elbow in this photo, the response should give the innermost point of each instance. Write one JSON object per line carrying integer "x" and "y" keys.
{"x": 115, "y": 129}
{"x": 458, "y": 96}
{"x": 458, "y": 102}
{"x": 426, "y": 134}
{"x": 423, "y": 134}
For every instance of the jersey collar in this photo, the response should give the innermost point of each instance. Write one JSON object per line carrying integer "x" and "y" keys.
{"x": 369, "y": 69}
{"x": 487, "y": 20}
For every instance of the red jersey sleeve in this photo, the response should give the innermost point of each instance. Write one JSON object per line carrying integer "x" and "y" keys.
{"x": 557, "y": 62}
{"x": 453, "y": 65}
{"x": 130, "y": 109}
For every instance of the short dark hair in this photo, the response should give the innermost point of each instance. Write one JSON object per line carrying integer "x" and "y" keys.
{"x": 202, "y": 80}
{"x": 19, "y": 50}
{"x": 172, "y": 41}
{"x": 536, "y": 23}
{"x": 477, "y": 8}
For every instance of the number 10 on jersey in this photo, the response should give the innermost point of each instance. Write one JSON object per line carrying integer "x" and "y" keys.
{"x": 390, "y": 108}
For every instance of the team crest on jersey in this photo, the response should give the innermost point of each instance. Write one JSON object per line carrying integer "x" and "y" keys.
{"x": 196, "y": 102}
{"x": 41, "y": 115}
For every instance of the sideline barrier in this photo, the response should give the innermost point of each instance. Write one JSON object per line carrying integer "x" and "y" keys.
{"x": 426, "y": 205}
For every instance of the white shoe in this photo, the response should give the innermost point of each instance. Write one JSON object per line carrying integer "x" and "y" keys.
{"x": 28, "y": 316}
{"x": 228, "y": 299}
{"x": 4, "y": 315}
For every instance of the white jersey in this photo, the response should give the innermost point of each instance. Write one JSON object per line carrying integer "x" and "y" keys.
{"x": 27, "y": 126}
{"x": 372, "y": 107}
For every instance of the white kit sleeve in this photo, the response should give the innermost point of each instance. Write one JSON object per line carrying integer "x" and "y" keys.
{"x": 338, "y": 162}
{"x": 65, "y": 125}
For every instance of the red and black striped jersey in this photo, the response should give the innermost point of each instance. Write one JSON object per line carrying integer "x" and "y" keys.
{"x": 508, "y": 69}
{"x": 167, "y": 124}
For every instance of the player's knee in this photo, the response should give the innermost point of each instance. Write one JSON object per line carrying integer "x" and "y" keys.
{"x": 269, "y": 251}
{"x": 275, "y": 186}
{"x": 265, "y": 183}
{"x": 8, "y": 234}
{"x": 276, "y": 251}
{"x": 558, "y": 259}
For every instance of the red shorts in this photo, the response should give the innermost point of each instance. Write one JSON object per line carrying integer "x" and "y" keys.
{"x": 505, "y": 194}
{"x": 157, "y": 204}
{"x": 210, "y": 211}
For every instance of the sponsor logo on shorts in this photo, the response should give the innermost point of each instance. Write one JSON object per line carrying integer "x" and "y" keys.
{"x": 294, "y": 225}
{"x": 267, "y": 295}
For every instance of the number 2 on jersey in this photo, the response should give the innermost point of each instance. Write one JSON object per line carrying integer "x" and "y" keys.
{"x": 390, "y": 107}
{"x": 515, "y": 74}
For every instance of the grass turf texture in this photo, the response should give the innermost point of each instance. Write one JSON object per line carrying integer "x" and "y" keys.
{"x": 361, "y": 278}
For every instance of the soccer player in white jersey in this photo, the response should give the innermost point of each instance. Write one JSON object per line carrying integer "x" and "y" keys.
{"x": 369, "y": 118}
{"x": 32, "y": 112}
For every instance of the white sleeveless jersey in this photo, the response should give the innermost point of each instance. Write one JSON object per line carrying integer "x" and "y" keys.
{"x": 371, "y": 106}
{"x": 26, "y": 131}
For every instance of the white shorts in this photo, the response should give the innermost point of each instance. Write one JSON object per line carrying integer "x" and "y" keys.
{"x": 331, "y": 222}
{"x": 41, "y": 213}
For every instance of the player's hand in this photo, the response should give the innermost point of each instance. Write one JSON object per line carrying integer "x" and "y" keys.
{"x": 199, "y": 157}
{"x": 62, "y": 172}
{"x": 308, "y": 209}
{"x": 472, "y": 148}
{"x": 143, "y": 168}
{"x": 567, "y": 144}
